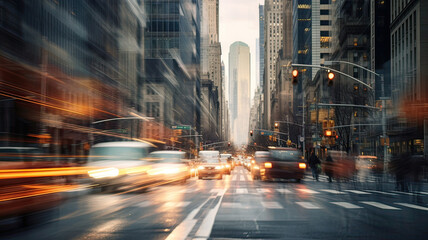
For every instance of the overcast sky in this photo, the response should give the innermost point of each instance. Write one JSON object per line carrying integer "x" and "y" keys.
{"x": 239, "y": 22}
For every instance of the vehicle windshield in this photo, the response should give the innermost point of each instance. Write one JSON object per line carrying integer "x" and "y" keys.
{"x": 117, "y": 153}
{"x": 285, "y": 155}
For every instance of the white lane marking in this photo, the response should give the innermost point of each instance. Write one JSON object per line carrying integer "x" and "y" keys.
{"x": 305, "y": 190}
{"x": 413, "y": 206}
{"x": 176, "y": 204}
{"x": 407, "y": 193}
{"x": 357, "y": 192}
{"x": 426, "y": 193}
{"x": 183, "y": 229}
{"x": 384, "y": 193}
{"x": 144, "y": 204}
{"x": 204, "y": 230}
{"x": 308, "y": 205}
{"x": 263, "y": 190}
{"x": 234, "y": 177}
{"x": 347, "y": 205}
{"x": 241, "y": 178}
{"x": 231, "y": 205}
{"x": 283, "y": 190}
{"x": 332, "y": 191}
{"x": 380, "y": 205}
{"x": 216, "y": 190}
{"x": 241, "y": 190}
{"x": 272, "y": 205}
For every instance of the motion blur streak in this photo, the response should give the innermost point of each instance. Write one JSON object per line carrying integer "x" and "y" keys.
{"x": 35, "y": 190}
{"x": 43, "y": 172}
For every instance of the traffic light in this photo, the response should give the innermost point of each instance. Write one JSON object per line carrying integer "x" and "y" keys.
{"x": 251, "y": 133}
{"x": 228, "y": 144}
{"x": 330, "y": 76}
{"x": 276, "y": 127}
{"x": 328, "y": 133}
{"x": 295, "y": 74}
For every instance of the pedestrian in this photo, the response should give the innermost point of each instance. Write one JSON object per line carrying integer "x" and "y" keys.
{"x": 328, "y": 169}
{"x": 314, "y": 163}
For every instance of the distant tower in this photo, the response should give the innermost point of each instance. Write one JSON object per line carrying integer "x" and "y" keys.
{"x": 239, "y": 91}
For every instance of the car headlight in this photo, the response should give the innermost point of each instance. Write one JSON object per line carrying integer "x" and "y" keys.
{"x": 201, "y": 167}
{"x": 256, "y": 167}
{"x": 228, "y": 166}
{"x": 105, "y": 172}
{"x": 218, "y": 167}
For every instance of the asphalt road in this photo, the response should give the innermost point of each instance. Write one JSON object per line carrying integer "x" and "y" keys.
{"x": 238, "y": 208}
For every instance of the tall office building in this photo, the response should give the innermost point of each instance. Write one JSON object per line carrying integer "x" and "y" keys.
{"x": 239, "y": 91}
{"x": 273, "y": 34}
{"x": 261, "y": 46}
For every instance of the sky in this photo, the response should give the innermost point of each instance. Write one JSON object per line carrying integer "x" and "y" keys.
{"x": 239, "y": 22}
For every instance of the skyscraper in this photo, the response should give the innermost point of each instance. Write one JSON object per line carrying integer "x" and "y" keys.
{"x": 239, "y": 91}
{"x": 261, "y": 46}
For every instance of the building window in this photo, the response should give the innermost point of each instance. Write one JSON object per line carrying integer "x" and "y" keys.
{"x": 325, "y": 33}
{"x": 152, "y": 109}
{"x": 324, "y": 12}
{"x": 325, "y": 22}
{"x": 325, "y": 1}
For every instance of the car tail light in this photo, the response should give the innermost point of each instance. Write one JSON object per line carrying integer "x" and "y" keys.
{"x": 302, "y": 165}
{"x": 268, "y": 165}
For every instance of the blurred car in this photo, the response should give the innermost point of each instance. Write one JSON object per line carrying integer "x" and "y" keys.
{"x": 210, "y": 165}
{"x": 226, "y": 160}
{"x": 168, "y": 166}
{"x": 118, "y": 164}
{"x": 343, "y": 165}
{"x": 284, "y": 163}
{"x": 260, "y": 157}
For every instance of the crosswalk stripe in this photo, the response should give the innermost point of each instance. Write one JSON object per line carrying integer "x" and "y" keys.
{"x": 308, "y": 205}
{"x": 234, "y": 177}
{"x": 305, "y": 190}
{"x": 380, "y": 205}
{"x": 347, "y": 205}
{"x": 263, "y": 190}
{"x": 241, "y": 190}
{"x": 216, "y": 190}
{"x": 231, "y": 205}
{"x": 241, "y": 178}
{"x": 332, "y": 191}
{"x": 176, "y": 204}
{"x": 283, "y": 190}
{"x": 357, "y": 192}
{"x": 413, "y": 206}
{"x": 406, "y": 193}
{"x": 272, "y": 205}
{"x": 385, "y": 193}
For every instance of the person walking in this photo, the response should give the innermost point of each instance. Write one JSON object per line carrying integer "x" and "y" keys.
{"x": 314, "y": 163}
{"x": 329, "y": 167}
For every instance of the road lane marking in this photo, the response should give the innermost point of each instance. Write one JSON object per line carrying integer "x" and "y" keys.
{"x": 308, "y": 205}
{"x": 380, "y": 192}
{"x": 347, "y": 205}
{"x": 205, "y": 229}
{"x": 305, "y": 190}
{"x": 176, "y": 204}
{"x": 216, "y": 190}
{"x": 407, "y": 193}
{"x": 144, "y": 204}
{"x": 332, "y": 191}
{"x": 263, "y": 190}
{"x": 283, "y": 190}
{"x": 231, "y": 205}
{"x": 357, "y": 192}
{"x": 241, "y": 178}
{"x": 183, "y": 229}
{"x": 413, "y": 206}
{"x": 380, "y": 205}
{"x": 241, "y": 190}
{"x": 272, "y": 205}
{"x": 234, "y": 177}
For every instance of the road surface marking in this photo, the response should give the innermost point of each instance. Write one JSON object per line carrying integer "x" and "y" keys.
{"x": 380, "y": 205}
{"x": 241, "y": 190}
{"x": 144, "y": 204}
{"x": 308, "y": 205}
{"x": 305, "y": 190}
{"x": 232, "y": 205}
{"x": 385, "y": 193}
{"x": 183, "y": 229}
{"x": 176, "y": 204}
{"x": 347, "y": 205}
{"x": 263, "y": 190}
{"x": 283, "y": 190}
{"x": 407, "y": 193}
{"x": 357, "y": 192}
{"x": 216, "y": 190}
{"x": 241, "y": 178}
{"x": 272, "y": 205}
{"x": 332, "y": 191}
{"x": 234, "y": 177}
{"x": 205, "y": 229}
{"x": 413, "y": 206}
{"x": 426, "y": 193}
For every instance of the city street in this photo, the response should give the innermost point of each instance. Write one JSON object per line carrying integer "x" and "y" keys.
{"x": 238, "y": 207}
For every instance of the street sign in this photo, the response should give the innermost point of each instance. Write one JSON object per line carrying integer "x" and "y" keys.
{"x": 183, "y": 127}
{"x": 266, "y": 133}
{"x": 302, "y": 139}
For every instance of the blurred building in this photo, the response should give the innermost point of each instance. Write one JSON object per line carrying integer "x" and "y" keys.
{"x": 261, "y": 41}
{"x": 239, "y": 91}
{"x": 171, "y": 84}
{"x": 64, "y": 65}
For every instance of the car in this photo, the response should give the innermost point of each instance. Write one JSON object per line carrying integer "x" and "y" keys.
{"x": 168, "y": 166}
{"x": 210, "y": 165}
{"x": 284, "y": 163}
{"x": 260, "y": 157}
{"x": 112, "y": 165}
{"x": 226, "y": 160}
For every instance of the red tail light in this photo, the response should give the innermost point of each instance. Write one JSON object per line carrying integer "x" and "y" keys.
{"x": 268, "y": 165}
{"x": 302, "y": 165}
